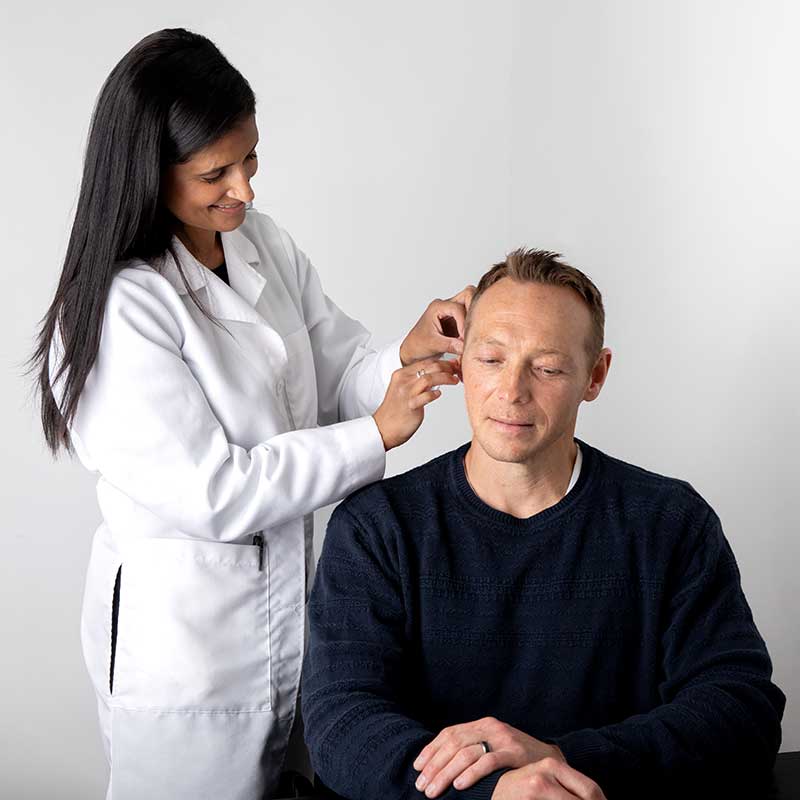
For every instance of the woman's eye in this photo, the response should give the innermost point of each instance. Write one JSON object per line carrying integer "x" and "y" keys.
{"x": 214, "y": 179}
{"x": 253, "y": 155}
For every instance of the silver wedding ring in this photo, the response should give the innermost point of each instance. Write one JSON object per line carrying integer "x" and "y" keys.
{"x": 420, "y": 373}
{"x": 485, "y": 746}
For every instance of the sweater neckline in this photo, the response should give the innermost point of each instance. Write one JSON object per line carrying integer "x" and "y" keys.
{"x": 463, "y": 490}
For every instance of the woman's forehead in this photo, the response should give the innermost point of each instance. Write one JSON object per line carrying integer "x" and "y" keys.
{"x": 229, "y": 148}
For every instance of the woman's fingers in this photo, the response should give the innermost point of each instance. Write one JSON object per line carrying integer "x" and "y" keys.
{"x": 432, "y": 379}
{"x": 451, "y": 310}
{"x": 411, "y": 388}
{"x": 465, "y": 296}
{"x": 422, "y": 400}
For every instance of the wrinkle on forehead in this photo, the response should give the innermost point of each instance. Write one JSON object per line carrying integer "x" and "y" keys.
{"x": 539, "y": 317}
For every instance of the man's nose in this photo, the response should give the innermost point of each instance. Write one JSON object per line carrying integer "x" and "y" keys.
{"x": 514, "y": 384}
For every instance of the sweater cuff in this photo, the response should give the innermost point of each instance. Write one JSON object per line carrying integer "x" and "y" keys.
{"x": 483, "y": 789}
{"x": 585, "y": 751}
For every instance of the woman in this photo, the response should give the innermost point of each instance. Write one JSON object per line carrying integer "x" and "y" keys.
{"x": 192, "y": 360}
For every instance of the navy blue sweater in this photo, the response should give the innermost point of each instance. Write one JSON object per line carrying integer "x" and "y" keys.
{"x": 612, "y": 624}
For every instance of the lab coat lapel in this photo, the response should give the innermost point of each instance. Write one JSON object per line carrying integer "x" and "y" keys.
{"x": 236, "y": 302}
{"x": 242, "y": 259}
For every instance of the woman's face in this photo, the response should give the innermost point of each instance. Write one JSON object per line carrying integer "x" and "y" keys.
{"x": 210, "y": 190}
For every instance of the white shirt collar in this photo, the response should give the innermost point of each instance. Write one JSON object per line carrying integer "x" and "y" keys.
{"x": 576, "y": 470}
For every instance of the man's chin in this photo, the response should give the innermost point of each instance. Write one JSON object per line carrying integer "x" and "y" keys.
{"x": 509, "y": 452}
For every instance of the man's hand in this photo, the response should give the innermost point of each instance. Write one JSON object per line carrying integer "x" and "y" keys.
{"x": 456, "y": 755}
{"x": 439, "y": 330}
{"x": 548, "y": 779}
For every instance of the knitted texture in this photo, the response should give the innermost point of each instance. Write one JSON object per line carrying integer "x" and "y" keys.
{"x": 612, "y": 624}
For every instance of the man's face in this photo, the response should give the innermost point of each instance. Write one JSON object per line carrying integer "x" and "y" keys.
{"x": 526, "y": 369}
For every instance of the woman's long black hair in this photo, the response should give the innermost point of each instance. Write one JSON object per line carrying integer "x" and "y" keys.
{"x": 172, "y": 95}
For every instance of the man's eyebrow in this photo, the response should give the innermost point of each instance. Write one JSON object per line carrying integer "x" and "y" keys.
{"x": 544, "y": 351}
{"x": 225, "y": 166}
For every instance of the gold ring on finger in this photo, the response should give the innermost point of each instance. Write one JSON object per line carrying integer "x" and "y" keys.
{"x": 420, "y": 373}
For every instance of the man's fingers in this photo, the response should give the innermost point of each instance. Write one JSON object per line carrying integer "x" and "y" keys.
{"x": 455, "y": 736}
{"x": 456, "y": 766}
{"x": 441, "y": 750}
{"x": 485, "y": 765}
{"x": 437, "y": 761}
{"x": 575, "y": 782}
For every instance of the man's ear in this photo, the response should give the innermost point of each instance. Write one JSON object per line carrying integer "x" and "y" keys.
{"x": 598, "y": 375}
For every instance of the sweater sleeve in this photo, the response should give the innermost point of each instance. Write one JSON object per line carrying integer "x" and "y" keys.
{"x": 719, "y": 706}
{"x": 362, "y": 740}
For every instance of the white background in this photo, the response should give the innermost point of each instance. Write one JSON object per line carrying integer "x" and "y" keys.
{"x": 407, "y": 147}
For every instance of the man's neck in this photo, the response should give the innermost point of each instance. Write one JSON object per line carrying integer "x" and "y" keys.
{"x": 521, "y": 489}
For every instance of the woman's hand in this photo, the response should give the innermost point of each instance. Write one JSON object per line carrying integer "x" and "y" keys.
{"x": 456, "y": 757}
{"x": 439, "y": 330}
{"x": 410, "y": 390}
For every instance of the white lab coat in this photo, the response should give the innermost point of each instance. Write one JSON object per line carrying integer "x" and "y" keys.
{"x": 203, "y": 436}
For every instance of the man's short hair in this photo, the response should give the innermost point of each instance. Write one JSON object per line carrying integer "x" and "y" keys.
{"x": 543, "y": 266}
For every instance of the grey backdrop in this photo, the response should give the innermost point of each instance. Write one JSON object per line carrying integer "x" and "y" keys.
{"x": 407, "y": 147}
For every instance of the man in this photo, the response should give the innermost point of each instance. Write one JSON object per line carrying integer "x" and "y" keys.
{"x": 527, "y": 618}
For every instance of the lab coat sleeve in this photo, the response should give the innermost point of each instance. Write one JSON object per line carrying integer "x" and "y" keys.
{"x": 145, "y": 424}
{"x": 352, "y": 376}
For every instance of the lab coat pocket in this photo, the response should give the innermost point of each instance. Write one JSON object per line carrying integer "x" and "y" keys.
{"x": 193, "y": 628}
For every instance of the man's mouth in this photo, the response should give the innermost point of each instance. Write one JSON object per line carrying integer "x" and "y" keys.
{"x": 512, "y": 423}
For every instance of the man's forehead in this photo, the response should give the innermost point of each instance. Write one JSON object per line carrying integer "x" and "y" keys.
{"x": 532, "y": 306}
{"x": 504, "y": 342}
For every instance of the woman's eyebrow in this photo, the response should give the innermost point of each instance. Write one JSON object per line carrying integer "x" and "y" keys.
{"x": 225, "y": 166}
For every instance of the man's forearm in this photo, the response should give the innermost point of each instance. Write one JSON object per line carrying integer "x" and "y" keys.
{"x": 706, "y": 729}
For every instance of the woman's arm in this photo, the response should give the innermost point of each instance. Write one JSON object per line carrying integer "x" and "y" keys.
{"x": 352, "y": 377}
{"x": 145, "y": 424}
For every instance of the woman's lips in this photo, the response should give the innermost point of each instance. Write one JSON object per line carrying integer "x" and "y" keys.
{"x": 229, "y": 209}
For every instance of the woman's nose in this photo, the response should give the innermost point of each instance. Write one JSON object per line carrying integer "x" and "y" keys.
{"x": 241, "y": 190}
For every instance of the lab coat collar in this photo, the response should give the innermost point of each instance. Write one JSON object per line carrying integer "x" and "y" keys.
{"x": 236, "y": 302}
